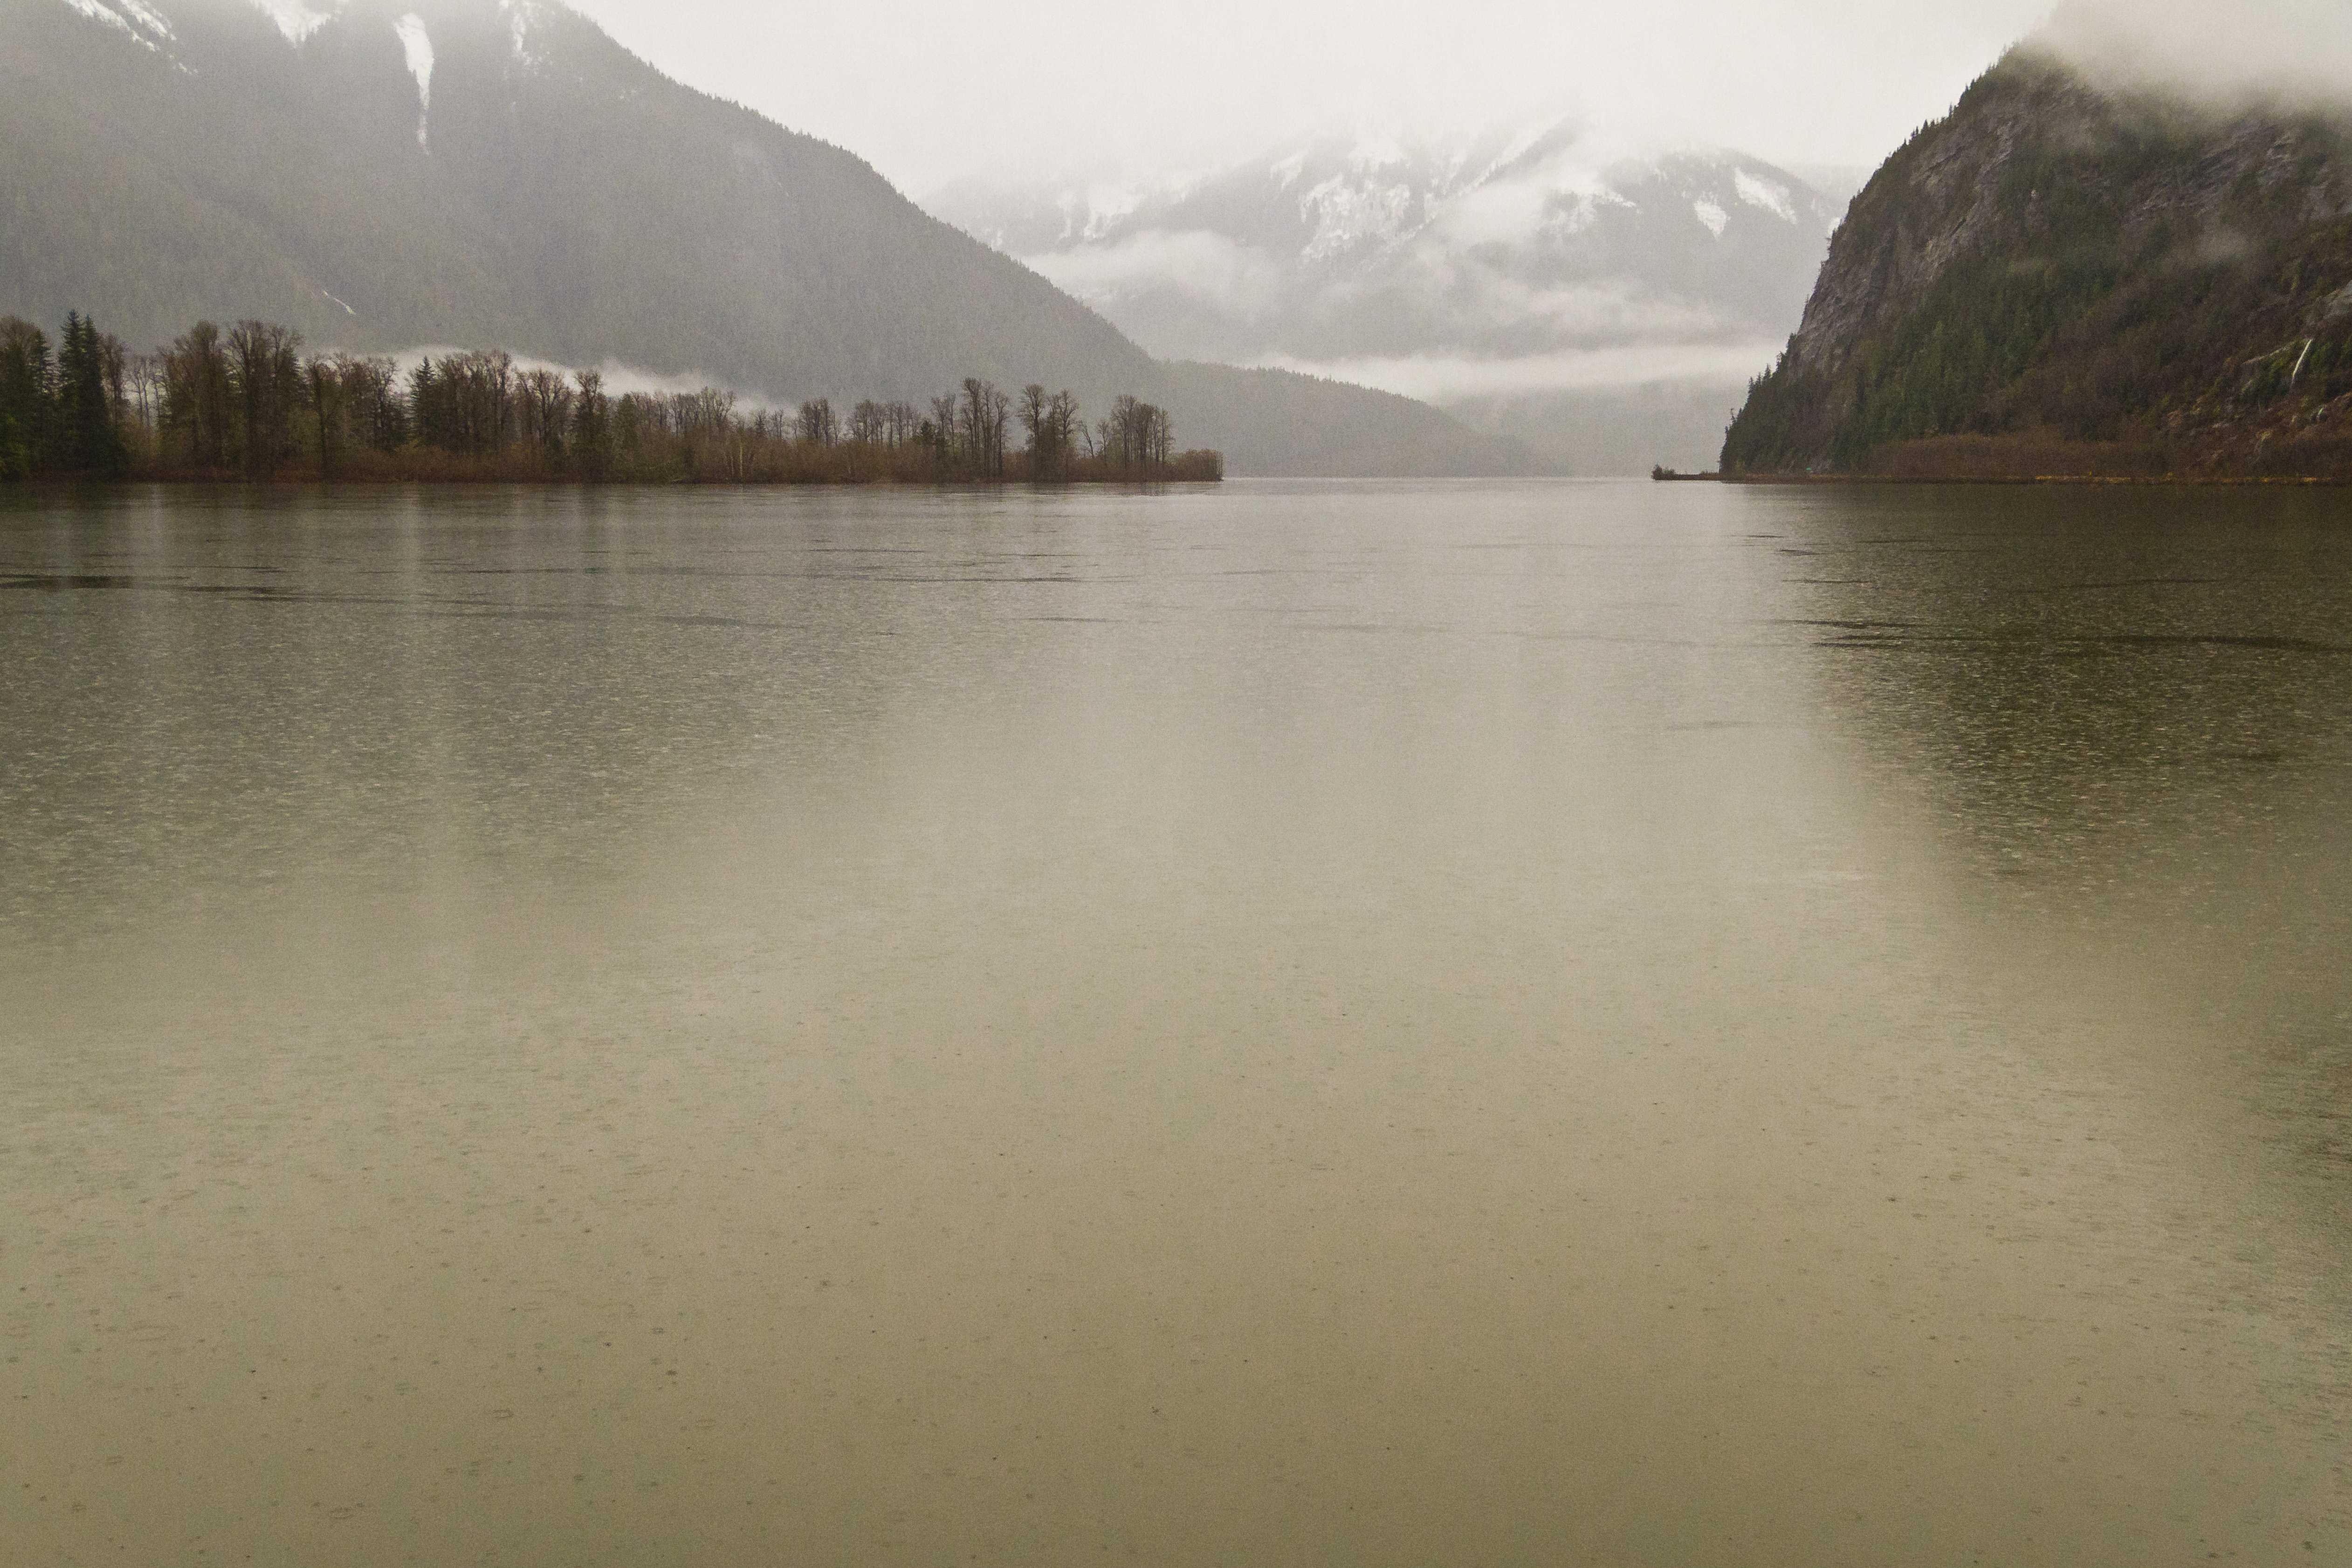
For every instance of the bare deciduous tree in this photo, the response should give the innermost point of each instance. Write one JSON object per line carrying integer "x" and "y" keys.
{"x": 815, "y": 423}
{"x": 265, "y": 372}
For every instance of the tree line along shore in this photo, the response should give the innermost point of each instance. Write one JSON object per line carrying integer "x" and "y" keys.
{"x": 246, "y": 403}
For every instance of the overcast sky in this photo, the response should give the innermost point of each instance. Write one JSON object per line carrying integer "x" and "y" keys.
{"x": 929, "y": 91}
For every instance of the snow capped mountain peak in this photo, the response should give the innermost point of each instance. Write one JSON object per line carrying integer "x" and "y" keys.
{"x": 1349, "y": 214}
{"x": 1509, "y": 265}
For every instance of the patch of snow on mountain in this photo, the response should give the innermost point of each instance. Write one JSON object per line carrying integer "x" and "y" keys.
{"x": 1710, "y": 212}
{"x": 125, "y": 17}
{"x": 296, "y": 19}
{"x": 1348, "y": 216}
{"x": 1773, "y": 198}
{"x": 1105, "y": 207}
{"x": 417, "y": 45}
{"x": 1572, "y": 213}
{"x": 97, "y": 11}
{"x": 522, "y": 16}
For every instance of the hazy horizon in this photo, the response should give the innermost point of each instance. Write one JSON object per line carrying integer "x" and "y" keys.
{"x": 959, "y": 94}
{"x": 1065, "y": 90}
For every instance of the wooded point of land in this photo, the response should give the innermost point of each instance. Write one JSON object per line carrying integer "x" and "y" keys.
{"x": 246, "y": 403}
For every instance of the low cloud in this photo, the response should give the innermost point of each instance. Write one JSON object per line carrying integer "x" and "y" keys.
{"x": 1206, "y": 265}
{"x": 1584, "y": 312}
{"x": 2295, "y": 53}
{"x": 1446, "y": 379}
{"x": 620, "y": 379}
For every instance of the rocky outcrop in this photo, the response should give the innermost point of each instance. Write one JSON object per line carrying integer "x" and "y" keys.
{"x": 2057, "y": 264}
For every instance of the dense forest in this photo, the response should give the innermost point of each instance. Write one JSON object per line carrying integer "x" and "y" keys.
{"x": 246, "y": 403}
{"x": 2060, "y": 281}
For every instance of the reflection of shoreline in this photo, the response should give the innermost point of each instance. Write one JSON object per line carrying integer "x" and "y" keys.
{"x": 2115, "y": 721}
{"x": 1187, "y": 469}
{"x": 2126, "y": 703}
{"x": 2023, "y": 458}
{"x": 2140, "y": 481}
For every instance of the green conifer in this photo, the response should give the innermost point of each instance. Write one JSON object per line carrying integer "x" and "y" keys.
{"x": 27, "y": 398}
{"x": 87, "y": 439}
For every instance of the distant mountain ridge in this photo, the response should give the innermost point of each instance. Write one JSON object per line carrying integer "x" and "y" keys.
{"x": 1343, "y": 249}
{"x": 1501, "y": 271}
{"x": 384, "y": 174}
{"x": 2066, "y": 278}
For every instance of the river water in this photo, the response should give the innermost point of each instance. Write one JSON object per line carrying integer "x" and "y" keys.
{"x": 1286, "y": 1024}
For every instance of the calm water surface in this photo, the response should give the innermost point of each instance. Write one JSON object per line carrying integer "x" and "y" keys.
{"x": 1293, "y": 1025}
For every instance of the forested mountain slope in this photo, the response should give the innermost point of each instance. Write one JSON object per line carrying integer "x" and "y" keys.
{"x": 389, "y": 173}
{"x": 2060, "y": 278}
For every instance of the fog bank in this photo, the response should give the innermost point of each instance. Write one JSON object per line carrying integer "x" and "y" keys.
{"x": 2287, "y": 53}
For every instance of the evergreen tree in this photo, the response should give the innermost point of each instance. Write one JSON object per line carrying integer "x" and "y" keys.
{"x": 28, "y": 398}
{"x": 87, "y": 439}
{"x": 425, "y": 404}
{"x": 323, "y": 383}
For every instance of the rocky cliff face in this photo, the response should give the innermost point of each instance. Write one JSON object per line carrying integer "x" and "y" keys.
{"x": 2061, "y": 273}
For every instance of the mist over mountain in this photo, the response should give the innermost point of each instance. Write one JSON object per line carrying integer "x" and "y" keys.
{"x": 384, "y": 173}
{"x": 2077, "y": 272}
{"x": 2285, "y": 56}
{"x": 1603, "y": 307}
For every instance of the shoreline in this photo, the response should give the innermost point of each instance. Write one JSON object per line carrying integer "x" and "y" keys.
{"x": 566, "y": 482}
{"x": 2154, "y": 481}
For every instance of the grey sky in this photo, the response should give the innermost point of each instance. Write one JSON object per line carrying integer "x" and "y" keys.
{"x": 932, "y": 89}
